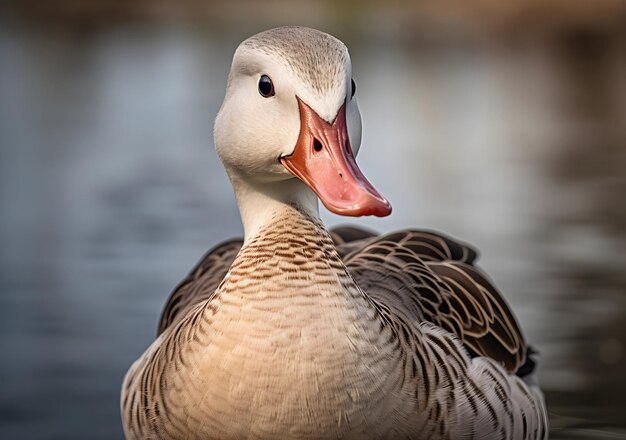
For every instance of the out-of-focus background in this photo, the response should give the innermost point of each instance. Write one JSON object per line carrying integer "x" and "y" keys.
{"x": 501, "y": 122}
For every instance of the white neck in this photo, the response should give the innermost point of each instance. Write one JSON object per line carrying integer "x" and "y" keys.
{"x": 259, "y": 201}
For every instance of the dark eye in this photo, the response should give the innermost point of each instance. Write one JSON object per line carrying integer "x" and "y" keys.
{"x": 353, "y": 87}
{"x": 266, "y": 88}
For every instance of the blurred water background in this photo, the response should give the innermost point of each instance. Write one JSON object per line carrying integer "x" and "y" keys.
{"x": 501, "y": 123}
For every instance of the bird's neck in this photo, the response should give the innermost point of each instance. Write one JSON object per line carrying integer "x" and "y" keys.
{"x": 260, "y": 202}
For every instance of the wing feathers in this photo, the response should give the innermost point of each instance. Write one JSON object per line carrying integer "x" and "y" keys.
{"x": 432, "y": 277}
{"x": 201, "y": 282}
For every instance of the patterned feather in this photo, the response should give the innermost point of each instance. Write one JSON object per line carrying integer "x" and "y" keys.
{"x": 298, "y": 335}
{"x": 422, "y": 274}
{"x": 200, "y": 284}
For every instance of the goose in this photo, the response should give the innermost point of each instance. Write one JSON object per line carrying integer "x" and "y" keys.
{"x": 298, "y": 332}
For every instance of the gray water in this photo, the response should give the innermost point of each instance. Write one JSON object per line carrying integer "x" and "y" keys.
{"x": 110, "y": 190}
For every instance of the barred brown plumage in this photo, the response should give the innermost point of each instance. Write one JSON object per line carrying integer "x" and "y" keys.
{"x": 295, "y": 332}
{"x": 429, "y": 360}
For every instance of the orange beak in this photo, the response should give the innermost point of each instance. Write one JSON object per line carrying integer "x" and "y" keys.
{"x": 323, "y": 159}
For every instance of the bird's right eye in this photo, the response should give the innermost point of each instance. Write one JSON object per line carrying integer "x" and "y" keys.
{"x": 266, "y": 88}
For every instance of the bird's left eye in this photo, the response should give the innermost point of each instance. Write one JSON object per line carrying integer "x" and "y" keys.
{"x": 353, "y": 88}
{"x": 266, "y": 88}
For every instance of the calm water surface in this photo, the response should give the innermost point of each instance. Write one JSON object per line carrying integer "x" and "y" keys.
{"x": 111, "y": 190}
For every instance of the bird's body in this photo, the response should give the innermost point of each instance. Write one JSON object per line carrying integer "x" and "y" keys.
{"x": 298, "y": 333}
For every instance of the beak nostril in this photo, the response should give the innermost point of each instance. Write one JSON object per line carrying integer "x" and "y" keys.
{"x": 317, "y": 145}
{"x": 341, "y": 175}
